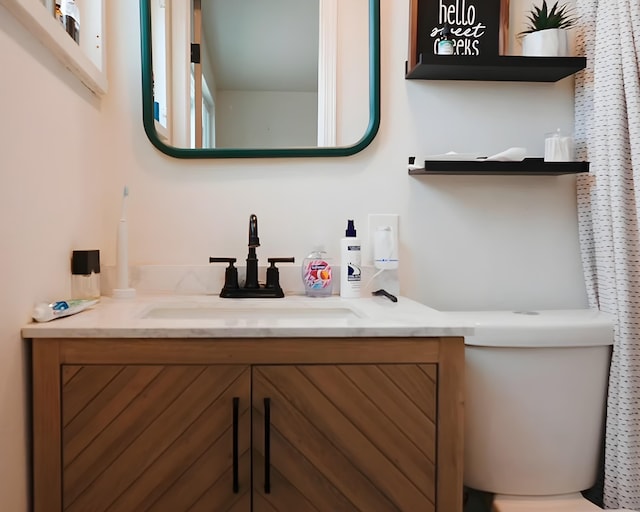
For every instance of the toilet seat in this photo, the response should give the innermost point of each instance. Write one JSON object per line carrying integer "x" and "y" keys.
{"x": 560, "y": 503}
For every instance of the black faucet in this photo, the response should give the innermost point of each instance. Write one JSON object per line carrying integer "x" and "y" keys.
{"x": 252, "y": 258}
{"x": 252, "y": 288}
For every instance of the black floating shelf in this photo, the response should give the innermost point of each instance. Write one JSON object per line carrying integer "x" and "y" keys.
{"x": 527, "y": 167}
{"x": 510, "y": 68}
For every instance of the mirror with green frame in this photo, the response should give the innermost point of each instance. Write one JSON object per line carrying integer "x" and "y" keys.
{"x": 260, "y": 78}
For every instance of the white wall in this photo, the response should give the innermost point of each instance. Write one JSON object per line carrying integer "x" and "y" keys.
{"x": 466, "y": 242}
{"x": 266, "y": 119}
{"x": 53, "y": 167}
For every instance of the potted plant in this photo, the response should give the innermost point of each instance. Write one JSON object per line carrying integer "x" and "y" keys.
{"x": 546, "y": 32}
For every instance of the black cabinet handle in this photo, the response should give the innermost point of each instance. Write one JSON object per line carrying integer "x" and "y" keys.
{"x": 267, "y": 445}
{"x": 236, "y": 407}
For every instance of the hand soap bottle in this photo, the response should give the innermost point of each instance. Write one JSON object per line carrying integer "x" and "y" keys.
{"x": 317, "y": 275}
{"x": 350, "y": 263}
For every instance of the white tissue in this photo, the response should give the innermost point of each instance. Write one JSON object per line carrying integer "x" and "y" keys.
{"x": 508, "y": 155}
{"x": 515, "y": 154}
{"x": 452, "y": 155}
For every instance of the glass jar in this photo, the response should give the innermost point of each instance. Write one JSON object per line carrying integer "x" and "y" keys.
{"x": 85, "y": 274}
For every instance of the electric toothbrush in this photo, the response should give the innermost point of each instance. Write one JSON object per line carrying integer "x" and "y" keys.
{"x": 122, "y": 289}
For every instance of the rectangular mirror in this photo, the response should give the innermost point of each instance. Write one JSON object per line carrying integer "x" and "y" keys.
{"x": 270, "y": 78}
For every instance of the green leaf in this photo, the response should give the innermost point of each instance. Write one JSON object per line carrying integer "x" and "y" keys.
{"x": 543, "y": 17}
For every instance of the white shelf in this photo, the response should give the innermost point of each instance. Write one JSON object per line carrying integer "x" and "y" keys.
{"x": 85, "y": 61}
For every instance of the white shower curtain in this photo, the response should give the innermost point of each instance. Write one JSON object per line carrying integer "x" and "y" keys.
{"x": 608, "y": 135}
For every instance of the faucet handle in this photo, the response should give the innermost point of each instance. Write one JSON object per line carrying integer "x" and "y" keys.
{"x": 230, "y": 274}
{"x": 273, "y": 274}
{"x": 280, "y": 260}
{"x": 230, "y": 261}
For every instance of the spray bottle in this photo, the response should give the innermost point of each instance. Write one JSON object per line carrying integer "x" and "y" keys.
{"x": 350, "y": 263}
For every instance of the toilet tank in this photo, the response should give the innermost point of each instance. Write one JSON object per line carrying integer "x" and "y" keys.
{"x": 535, "y": 401}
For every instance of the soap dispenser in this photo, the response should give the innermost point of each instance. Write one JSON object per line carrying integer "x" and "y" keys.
{"x": 317, "y": 276}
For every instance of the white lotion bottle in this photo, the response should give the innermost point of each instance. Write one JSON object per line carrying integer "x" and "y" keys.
{"x": 350, "y": 264}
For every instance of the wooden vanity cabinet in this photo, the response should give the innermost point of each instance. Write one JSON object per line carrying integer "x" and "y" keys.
{"x": 269, "y": 425}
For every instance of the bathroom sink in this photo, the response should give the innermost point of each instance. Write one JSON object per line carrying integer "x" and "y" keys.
{"x": 240, "y": 312}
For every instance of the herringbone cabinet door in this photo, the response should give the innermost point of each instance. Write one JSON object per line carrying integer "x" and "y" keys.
{"x": 155, "y": 438}
{"x": 344, "y": 438}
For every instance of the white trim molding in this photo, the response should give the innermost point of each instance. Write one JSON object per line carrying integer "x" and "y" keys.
{"x": 327, "y": 61}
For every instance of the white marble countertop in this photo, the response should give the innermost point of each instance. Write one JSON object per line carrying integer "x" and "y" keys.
{"x": 207, "y": 316}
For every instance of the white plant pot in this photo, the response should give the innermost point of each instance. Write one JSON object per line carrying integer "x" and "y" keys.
{"x": 552, "y": 42}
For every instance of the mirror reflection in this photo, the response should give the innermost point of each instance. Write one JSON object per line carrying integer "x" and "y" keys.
{"x": 230, "y": 77}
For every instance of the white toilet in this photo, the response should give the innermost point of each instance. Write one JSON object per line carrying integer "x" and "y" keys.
{"x": 534, "y": 407}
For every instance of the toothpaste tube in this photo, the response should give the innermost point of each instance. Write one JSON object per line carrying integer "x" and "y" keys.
{"x": 46, "y": 312}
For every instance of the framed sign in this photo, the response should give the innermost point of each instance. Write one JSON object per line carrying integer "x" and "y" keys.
{"x": 476, "y": 28}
